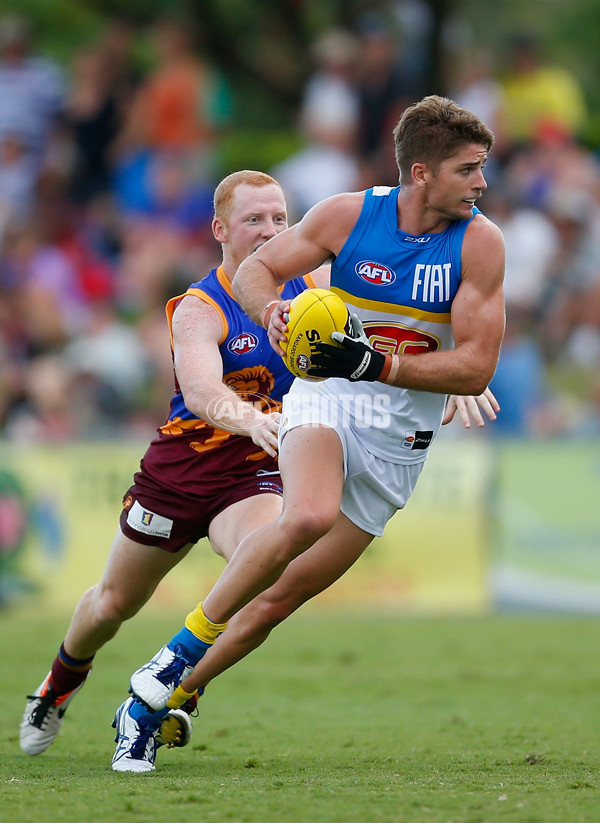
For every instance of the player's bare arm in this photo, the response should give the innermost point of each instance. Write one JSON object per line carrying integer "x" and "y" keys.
{"x": 301, "y": 249}
{"x": 197, "y": 332}
{"x": 477, "y": 323}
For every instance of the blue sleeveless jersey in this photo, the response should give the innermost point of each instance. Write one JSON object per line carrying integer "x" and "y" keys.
{"x": 402, "y": 287}
{"x": 250, "y": 366}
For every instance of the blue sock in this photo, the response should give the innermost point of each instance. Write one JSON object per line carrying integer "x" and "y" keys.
{"x": 190, "y": 647}
{"x": 152, "y": 719}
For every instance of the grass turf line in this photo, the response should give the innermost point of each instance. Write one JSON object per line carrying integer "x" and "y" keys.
{"x": 336, "y": 718}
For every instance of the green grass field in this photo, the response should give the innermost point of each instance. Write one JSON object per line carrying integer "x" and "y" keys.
{"x": 337, "y": 718}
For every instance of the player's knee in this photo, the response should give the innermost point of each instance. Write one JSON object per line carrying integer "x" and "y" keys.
{"x": 113, "y": 606}
{"x": 307, "y": 526}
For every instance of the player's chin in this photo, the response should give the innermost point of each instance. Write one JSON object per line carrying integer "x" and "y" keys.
{"x": 466, "y": 208}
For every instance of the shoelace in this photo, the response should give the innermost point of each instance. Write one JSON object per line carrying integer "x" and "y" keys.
{"x": 40, "y": 713}
{"x": 172, "y": 672}
{"x": 138, "y": 749}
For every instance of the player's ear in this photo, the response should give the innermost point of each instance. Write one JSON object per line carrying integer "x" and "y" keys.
{"x": 219, "y": 230}
{"x": 419, "y": 173}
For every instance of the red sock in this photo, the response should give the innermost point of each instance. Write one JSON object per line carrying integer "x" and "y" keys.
{"x": 68, "y": 672}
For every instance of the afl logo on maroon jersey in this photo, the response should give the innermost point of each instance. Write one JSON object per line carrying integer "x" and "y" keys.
{"x": 243, "y": 343}
{"x": 375, "y": 273}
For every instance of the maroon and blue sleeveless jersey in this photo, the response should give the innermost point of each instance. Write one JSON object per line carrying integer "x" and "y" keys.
{"x": 250, "y": 366}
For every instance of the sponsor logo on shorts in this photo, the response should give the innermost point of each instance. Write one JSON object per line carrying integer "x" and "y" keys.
{"x": 375, "y": 273}
{"x": 243, "y": 343}
{"x": 148, "y": 522}
{"x": 417, "y": 440}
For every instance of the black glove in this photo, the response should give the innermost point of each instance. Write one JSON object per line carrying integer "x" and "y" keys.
{"x": 357, "y": 360}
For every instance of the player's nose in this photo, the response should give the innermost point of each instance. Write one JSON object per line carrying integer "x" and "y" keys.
{"x": 480, "y": 183}
{"x": 270, "y": 228}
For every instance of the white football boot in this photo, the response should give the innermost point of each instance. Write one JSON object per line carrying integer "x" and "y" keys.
{"x": 156, "y": 681}
{"x": 136, "y": 738}
{"x": 43, "y": 717}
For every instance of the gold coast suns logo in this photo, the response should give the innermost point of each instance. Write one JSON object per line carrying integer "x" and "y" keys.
{"x": 394, "y": 338}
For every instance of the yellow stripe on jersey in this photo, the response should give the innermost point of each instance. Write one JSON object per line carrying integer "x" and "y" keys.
{"x": 393, "y": 308}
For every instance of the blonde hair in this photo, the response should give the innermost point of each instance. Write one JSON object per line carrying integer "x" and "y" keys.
{"x": 223, "y": 196}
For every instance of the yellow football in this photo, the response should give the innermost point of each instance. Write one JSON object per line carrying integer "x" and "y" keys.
{"x": 314, "y": 314}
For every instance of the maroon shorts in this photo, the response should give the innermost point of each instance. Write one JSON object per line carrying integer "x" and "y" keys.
{"x": 178, "y": 491}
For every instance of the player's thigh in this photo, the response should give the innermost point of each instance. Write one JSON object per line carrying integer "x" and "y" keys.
{"x": 321, "y": 565}
{"x": 229, "y": 527}
{"x": 311, "y": 461}
{"x": 133, "y": 570}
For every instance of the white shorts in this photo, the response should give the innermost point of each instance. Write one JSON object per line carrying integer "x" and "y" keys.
{"x": 374, "y": 489}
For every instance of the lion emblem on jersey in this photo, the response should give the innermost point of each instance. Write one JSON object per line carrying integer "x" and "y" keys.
{"x": 253, "y": 384}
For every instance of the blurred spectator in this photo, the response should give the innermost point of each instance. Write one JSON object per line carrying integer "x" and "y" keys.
{"x": 330, "y": 97}
{"x": 31, "y": 89}
{"x": 45, "y": 411}
{"x": 570, "y": 327}
{"x": 181, "y": 107}
{"x": 386, "y": 87}
{"x": 94, "y": 113}
{"x": 552, "y": 163}
{"x": 18, "y": 176}
{"x": 476, "y": 87}
{"x": 538, "y": 95}
{"x": 328, "y": 119}
{"x": 528, "y": 406}
{"x": 32, "y": 95}
{"x": 532, "y": 244}
{"x": 109, "y": 357}
{"x": 416, "y": 25}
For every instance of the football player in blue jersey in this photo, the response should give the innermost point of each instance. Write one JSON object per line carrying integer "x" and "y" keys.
{"x": 421, "y": 270}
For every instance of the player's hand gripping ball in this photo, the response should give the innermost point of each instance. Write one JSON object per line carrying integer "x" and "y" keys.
{"x": 314, "y": 314}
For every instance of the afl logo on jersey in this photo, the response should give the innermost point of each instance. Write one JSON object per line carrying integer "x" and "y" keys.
{"x": 243, "y": 343}
{"x": 375, "y": 273}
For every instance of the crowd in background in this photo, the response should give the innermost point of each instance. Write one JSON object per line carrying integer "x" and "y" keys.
{"x": 106, "y": 182}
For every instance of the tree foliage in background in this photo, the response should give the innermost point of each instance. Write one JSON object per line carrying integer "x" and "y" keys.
{"x": 263, "y": 47}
